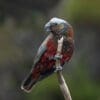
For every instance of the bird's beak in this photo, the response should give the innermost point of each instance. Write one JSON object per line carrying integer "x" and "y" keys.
{"x": 47, "y": 29}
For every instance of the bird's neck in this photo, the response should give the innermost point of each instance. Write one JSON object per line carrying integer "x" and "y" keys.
{"x": 70, "y": 32}
{"x": 56, "y": 36}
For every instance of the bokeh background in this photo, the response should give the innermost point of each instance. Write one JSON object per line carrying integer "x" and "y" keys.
{"x": 21, "y": 33}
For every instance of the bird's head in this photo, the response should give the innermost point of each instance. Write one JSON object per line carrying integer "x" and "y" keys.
{"x": 56, "y": 26}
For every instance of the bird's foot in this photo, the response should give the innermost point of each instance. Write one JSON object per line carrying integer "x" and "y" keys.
{"x": 59, "y": 68}
{"x": 58, "y": 57}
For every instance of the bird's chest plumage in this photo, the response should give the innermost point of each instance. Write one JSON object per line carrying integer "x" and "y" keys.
{"x": 48, "y": 56}
{"x": 47, "y": 62}
{"x": 51, "y": 48}
{"x": 50, "y": 52}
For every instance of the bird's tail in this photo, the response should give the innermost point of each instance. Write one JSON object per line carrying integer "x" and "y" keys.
{"x": 28, "y": 83}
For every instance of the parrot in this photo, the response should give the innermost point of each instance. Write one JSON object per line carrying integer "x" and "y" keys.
{"x": 45, "y": 59}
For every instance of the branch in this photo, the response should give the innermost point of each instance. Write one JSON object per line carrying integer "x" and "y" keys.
{"x": 61, "y": 80}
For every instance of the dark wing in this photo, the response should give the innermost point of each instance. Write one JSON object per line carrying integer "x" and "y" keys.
{"x": 40, "y": 52}
{"x": 42, "y": 49}
{"x": 30, "y": 80}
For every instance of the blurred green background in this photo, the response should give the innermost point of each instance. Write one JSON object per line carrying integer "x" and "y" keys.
{"x": 21, "y": 33}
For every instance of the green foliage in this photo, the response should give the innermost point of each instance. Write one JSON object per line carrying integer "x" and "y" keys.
{"x": 84, "y": 11}
{"x": 8, "y": 51}
{"x": 48, "y": 89}
{"x": 82, "y": 87}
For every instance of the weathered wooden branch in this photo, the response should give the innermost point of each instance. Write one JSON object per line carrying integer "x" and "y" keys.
{"x": 61, "y": 80}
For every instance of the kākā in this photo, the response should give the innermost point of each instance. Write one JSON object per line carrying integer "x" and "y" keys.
{"x": 44, "y": 62}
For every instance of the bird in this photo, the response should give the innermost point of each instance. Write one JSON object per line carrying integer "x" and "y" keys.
{"x": 45, "y": 59}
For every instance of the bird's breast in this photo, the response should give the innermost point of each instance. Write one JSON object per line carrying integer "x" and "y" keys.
{"x": 67, "y": 51}
{"x": 51, "y": 47}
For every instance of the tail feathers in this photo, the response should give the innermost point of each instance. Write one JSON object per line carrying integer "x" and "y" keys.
{"x": 28, "y": 83}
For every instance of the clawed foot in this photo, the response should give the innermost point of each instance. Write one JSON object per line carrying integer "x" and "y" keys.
{"x": 58, "y": 57}
{"x": 59, "y": 68}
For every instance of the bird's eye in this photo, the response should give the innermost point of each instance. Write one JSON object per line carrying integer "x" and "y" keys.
{"x": 53, "y": 24}
{"x": 56, "y": 24}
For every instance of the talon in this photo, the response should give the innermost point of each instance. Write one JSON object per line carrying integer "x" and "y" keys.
{"x": 58, "y": 57}
{"x": 59, "y": 68}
